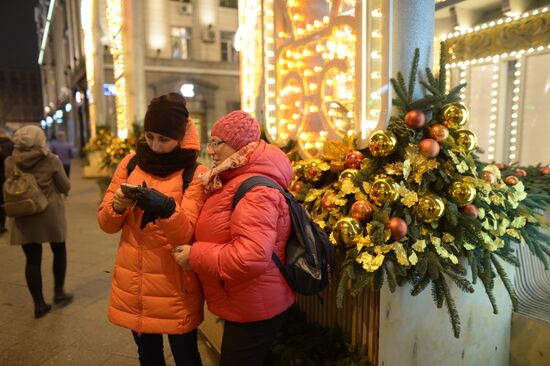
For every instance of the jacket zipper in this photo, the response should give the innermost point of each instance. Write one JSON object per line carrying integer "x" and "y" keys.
{"x": 140, "y": 290}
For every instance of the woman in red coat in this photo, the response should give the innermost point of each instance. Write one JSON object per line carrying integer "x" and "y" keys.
{"x": 232, "y": 249}
{"x": 151, "y": 295}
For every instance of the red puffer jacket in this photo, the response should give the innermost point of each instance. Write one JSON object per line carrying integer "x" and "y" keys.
{"x": 151, "y": 293}
{"x": 232, "y": 252}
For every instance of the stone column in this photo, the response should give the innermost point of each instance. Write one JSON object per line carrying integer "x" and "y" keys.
{"x": 413, "y": 27}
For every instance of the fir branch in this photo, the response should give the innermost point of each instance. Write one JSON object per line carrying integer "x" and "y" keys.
{"x": 412, "y": 75}
{"x": 451, "y": 307}
{"x": 430, "y": 88}
{"x": 361, "y": 280}
{"x": 378, "y": 279}
{"x": 506, "y": 281}
{"x": 437, "y": 293}
{"x": 342, "y": 283}
{"x": 430, "y": 76}
{"x": 484, "y": 277}
{"x": 474, "y": 267}
{"x": 399, "y": 92}
{"x": 391, "y": 278}
{"x": 462, "y": 283}
{"x": 402, "y": 86}
{"x": 434, "y": 266}
{"x": 420, "y": 285}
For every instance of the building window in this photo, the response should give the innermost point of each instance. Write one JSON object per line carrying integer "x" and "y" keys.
{"x": 228, "y": 52}
{"x": 181, "y": 43}
{"x": 229, "y": 3}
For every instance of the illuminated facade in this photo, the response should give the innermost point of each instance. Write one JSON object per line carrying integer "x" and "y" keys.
{"x": 131, "y": 51}
{"x": 323, "y": 73}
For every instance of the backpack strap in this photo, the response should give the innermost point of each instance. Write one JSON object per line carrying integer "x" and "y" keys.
{"x": 186, "y": 175}
{"x": 256, "y": 181}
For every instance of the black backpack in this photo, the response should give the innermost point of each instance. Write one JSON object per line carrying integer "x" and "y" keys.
{"x": 309, "y": 253}
{"x": 186, "y": 175}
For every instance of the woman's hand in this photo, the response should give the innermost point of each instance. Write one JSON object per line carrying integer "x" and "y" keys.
{"x": 181, "y": 255}
{"x": 121, "y": 202}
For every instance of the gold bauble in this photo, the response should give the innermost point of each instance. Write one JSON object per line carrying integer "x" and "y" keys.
{"x": 346, "y": 230}
{"x": 455, "y": 115}
{"x": 347, "y": 174}
{"x": 312, "y": 171}
{"x": 430, "y": 208}
{"x": 382, "y": 143}
{"x": 467, "y": 140}
{"x": 383, "y": 190}
{"x": 298, "y": 169}
{"x": 462, "y": 193}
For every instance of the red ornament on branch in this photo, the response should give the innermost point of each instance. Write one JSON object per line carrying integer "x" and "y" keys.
{"x": 439, "y": 132}
{"x": 415, "y": 119}
{"x": 470, "y": 210}
{"x": 545, "y": 170}
{"x": 489, "y": 177}
{"x": 353, "y": 159}
{"x": 430, "y": 147}
{"x": 362, "y": 210}
{"x": 521, "y": 172}
{"x": 398, "y": 228}
{"x": 500, "y": 166}
{"x": 511, "y": 180}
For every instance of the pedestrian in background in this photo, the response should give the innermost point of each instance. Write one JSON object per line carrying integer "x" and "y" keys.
{"x": 32, "y": 156}
{"x": 151, "y": 295}
{"x": 63, "y": 149}
{"x": 6, "y": 148}
{"x": 233, "y": 247}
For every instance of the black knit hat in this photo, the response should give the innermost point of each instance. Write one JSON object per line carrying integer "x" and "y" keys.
{"x": 167, "y": 115}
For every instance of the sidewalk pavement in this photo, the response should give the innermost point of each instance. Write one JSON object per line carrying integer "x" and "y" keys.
{"x": 78, "y": 334}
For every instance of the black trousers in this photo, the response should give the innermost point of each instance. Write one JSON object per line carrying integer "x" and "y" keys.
{"x": 249, "y": 344}
{"x": 67, "y": 168}
{"x": 33, "y": 268}
{"x": 183, "y": 346}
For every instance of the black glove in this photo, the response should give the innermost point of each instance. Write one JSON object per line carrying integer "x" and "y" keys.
{"x": 154, "y": 204}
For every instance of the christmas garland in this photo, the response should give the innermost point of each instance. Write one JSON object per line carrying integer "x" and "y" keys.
{"x": 417, "y": 206}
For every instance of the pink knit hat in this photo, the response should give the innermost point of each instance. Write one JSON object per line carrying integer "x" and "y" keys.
{"x": 237, "y": 129}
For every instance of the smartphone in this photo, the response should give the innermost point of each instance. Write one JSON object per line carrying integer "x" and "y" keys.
{"x": 129, "y": 190}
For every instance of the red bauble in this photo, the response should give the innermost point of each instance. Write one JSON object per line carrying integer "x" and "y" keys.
{"x": 327, "y": 202}
{"x": 430, "y": 147}
{"x": 489, "y": 177}
{"x": 353, "y": 159}
{"x": 439, "y": 132}
{"x": 500, "y": 166}
{"x": 521, "y": 172}
{"x": 398, "y": 228}
{"x": 415, "y": 119}
{"x": 545, "y": 170}
{"x": 297, "y": 186}
{"x": 470, "y": 210}
{"x": 511, "y": 180}
{"x": 362, "y": 210}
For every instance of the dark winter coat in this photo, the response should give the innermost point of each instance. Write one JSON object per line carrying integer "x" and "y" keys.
{"x": 47, "y": 169}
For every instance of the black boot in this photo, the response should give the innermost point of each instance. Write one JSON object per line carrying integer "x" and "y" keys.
{"x": 41, "y": 310}
{"x": 62, "y": 298}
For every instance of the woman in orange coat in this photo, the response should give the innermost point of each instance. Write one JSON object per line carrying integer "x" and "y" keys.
{"x": 151, "y": 295}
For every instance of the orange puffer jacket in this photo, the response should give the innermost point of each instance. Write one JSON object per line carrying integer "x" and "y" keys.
{"x": 232, "y": 252}
{"x": 150, "y": 292}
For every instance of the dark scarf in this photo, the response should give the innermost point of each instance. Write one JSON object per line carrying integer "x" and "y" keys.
{"x": 162, "y": 165}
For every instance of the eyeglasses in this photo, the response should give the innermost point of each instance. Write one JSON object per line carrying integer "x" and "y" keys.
{"x": 214, "y": 144}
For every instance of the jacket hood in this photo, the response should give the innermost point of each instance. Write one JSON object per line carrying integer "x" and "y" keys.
{"x": 29, "y": 157}
{"x": 191, "y": 139}
{"x": 267, "y": 160}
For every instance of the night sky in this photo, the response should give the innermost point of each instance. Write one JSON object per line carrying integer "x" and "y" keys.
{"x": 18, "y": 40}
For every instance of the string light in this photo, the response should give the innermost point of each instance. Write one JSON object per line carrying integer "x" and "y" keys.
{"x": 492, "y": 23}
{"x": 88, "y": 21}
{"x": 514, "y": 118}
{"x": 115, "y": 20}
{"x": 493, "y": 117}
